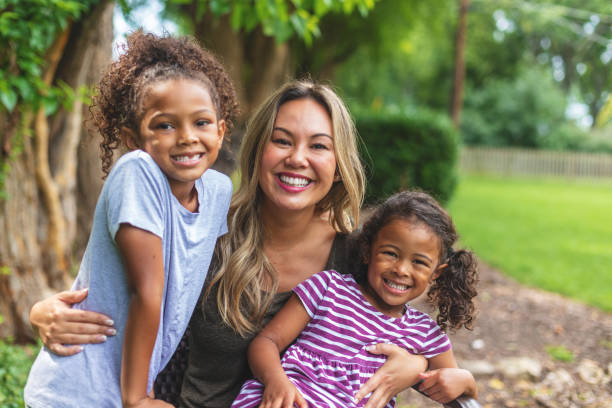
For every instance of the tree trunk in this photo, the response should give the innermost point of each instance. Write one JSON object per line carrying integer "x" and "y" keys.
{"x": 42, "y": 229}
{"x": 457, "y": 97}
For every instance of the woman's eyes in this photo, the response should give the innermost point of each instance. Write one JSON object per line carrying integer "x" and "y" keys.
{"x": 320, "y": 146}
{"x": 281, "y": 141}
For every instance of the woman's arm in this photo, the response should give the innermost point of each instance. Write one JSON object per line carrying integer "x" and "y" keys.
{"x": 445, "y": 381}
{"x": 58, "y": 324}
{"x": 264, "y": 354}
{"x": 142, "y": 256}
{"x": 401, "y": 371}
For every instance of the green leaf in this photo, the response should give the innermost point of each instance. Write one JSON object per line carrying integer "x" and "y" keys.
{"x": 8, "y": 98}
{"x": 5, "y": 270}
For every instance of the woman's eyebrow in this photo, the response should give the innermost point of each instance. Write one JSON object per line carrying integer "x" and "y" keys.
{"x": 289, "y": 133}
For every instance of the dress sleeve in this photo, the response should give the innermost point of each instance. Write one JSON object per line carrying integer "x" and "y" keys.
{"x": 312, "y": 291}
{"x": 437, "y": 341}
{"x": 136, "y": 195}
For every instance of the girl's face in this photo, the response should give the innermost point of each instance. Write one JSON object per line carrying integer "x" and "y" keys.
{"x": 180, "y": 130}
{"x": 298, "y": 163}
{"x": 403, "y": 260}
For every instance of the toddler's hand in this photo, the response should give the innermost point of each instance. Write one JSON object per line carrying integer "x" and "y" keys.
{"x": 446, "y": 384}
{"x": 282, "y": 394}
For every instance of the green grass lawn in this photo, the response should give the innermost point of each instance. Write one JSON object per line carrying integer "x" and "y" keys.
{"x": 550, "y": 233}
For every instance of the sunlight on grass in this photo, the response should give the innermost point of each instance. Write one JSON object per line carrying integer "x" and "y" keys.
{"x": 549, "y": 233}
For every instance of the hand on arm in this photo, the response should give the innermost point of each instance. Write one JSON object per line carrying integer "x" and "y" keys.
{"x": 400, "y": 371}
{"x": 445, "y": 381}
{"x": 143, "y": 261}
{"x": 58, "y": 324}
{"x": 264, "y": 355}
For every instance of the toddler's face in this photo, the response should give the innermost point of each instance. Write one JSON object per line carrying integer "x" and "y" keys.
{"x": 180, "y": 130}
{"x": 403, "y": 260}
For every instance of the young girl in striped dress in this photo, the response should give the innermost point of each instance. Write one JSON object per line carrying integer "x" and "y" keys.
{"x": 333, "y": 319}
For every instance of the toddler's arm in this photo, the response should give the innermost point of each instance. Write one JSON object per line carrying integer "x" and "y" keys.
{"x": 445, "y": 381}
{"x": 264, "y": 354}
{"x": 143, "y": 260}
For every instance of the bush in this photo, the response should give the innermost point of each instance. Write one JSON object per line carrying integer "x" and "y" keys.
{"x": 15, "y": 362}
{"x": 411, "y": 149}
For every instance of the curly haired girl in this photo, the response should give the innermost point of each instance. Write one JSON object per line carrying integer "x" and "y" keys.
{"x": 156, "y": 221}
{"x": 404, "y": 248}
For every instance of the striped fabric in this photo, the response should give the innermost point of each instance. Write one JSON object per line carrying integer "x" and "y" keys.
{"x": 328, "y": 362}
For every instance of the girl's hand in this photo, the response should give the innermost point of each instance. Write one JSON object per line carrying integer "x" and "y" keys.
{"x": 58, "y": 324}
{"x": 400, "y": 371}
{"x": 446, "y": 384}
{"x": 282, "y": 394}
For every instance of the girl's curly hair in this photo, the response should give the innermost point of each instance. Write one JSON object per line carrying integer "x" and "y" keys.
{"x": 149, "y": 58}
{"x": 454, "y": 290}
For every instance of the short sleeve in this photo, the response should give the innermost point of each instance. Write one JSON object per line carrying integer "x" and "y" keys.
{"x": 136, "y": 194}
{"x": 312, "y": 291}
{"x": 437, "y": 341}
{"x": 228, "y": 197}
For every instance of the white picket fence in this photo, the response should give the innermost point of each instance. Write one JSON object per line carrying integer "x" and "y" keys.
{"x": 510, "y": 161}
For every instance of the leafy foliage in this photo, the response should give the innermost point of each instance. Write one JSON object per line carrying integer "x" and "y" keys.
{"x": 560, "y": 353}
{"x": 410, "y": 149}
{"x": 27, "y": 30}
{"x": 15, "y": 362}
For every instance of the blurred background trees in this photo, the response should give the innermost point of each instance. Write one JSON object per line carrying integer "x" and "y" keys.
{"x": 537, "y": 74}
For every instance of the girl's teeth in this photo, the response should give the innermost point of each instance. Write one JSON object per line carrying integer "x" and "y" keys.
{"x": 396, "y": 286}
{"x": 294, "y": 181}
{"x": 187, "y": 158}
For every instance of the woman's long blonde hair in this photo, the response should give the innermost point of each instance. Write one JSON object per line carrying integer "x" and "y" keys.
{"x": 243, "y": 266}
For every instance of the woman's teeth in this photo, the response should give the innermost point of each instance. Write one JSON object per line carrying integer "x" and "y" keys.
{"x": 396, "y": 286}
{"x": 294, "y": 181}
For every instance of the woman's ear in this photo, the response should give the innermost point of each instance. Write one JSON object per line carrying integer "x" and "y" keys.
{"x": 128, "y": 137}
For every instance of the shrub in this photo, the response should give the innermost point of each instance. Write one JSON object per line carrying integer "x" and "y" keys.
{"x": 415, "y": 148}
{"x": 15, "y": 362}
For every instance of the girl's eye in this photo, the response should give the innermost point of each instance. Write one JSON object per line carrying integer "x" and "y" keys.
{"x": 390, "y": 254}
{"x": 420, "y": 262}
{"x": 164, "y": 126}
{"x": 202, "y": 122}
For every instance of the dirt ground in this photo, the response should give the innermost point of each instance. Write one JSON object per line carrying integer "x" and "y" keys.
{"x": 508, "y": 349}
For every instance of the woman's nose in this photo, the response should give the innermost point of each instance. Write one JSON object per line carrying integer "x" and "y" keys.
{"x": 297, "y": 157}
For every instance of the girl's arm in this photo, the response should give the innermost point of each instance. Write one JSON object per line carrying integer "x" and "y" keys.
{"x": 401, "y": 371}
{"x": 264, "y": 354}
{"x": 445, "y": 381}
{"x": 58, "y": 324}
{"x": 142, "y": 256}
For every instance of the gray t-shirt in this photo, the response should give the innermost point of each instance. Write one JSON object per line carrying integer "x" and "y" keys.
{"x": 137, "y": 193}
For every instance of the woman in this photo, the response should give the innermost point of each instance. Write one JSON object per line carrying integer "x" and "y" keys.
{"x": 301, "y": 187}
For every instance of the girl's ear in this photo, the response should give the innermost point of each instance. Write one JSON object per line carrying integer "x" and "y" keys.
{"x": 128, "y": 137}
{"x": 221, "y": 128}
{"x": 438, "y": 272}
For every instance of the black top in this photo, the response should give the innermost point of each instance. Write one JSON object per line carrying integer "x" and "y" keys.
{"x": 217, "y": 365}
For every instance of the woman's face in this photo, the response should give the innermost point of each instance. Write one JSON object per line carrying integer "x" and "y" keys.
{"x": 298, "y": 164}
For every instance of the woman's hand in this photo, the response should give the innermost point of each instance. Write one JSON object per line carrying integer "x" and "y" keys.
{"x": 58, "y": 324}
{"x": 400, "y": 371}
{"x": 282, "y": 394}
{"x": 446, "y": 384}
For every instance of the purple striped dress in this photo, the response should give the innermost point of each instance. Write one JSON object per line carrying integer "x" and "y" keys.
{"x": 328, "y": 363}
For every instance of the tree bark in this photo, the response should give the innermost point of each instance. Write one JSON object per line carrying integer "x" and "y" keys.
{"x": 41, "y": 230}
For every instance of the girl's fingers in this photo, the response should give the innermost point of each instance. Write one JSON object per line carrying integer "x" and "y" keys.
{"x": 368, "y": 387}
{"x": 300, "y": 401}
{"x": 73, "y": 296}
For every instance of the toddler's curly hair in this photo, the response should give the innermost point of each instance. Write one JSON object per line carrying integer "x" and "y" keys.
{"x": 147, "y": 59}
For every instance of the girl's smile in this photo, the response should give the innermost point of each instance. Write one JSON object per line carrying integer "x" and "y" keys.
{"x": 403, "y": 260}
{"x": 298, "y": 163}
